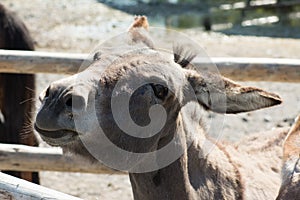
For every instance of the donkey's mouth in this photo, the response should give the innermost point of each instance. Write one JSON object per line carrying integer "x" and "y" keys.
{"x": 57, "y": 137}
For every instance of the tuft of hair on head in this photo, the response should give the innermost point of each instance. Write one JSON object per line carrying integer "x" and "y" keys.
{"x": 140, "y": 22}
{"x": 183, "y": 55}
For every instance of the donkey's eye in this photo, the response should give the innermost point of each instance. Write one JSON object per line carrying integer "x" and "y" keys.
{"x": 97, "y": 56}
{"x": 160, "y": 91}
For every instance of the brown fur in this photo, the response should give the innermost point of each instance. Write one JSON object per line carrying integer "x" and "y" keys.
{"x": 140, "y": 22}
{"x": 238, "y": 174}
{"x": 16, "y": 90}
{"x": 290, "y": 187}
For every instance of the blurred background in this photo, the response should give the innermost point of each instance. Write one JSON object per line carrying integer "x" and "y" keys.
{"x": 274, "y": 18}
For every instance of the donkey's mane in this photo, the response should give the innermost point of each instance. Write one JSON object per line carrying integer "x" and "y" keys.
{"x": 183, "y": 55}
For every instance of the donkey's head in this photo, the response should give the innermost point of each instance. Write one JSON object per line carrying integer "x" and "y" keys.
{"x": 135, "y": 98}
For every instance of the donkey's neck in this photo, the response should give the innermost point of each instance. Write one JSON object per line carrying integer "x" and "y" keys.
{"x": 197, "y": 174}
{"x": 190, "y": 177}
{"x": 171, "y": 182}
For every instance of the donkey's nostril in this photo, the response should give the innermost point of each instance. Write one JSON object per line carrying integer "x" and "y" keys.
{"x": 44, "y": 94}
{"x": 47, "y": 93}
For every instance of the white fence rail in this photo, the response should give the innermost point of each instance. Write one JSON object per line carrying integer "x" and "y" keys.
{"x": 12, "y": 188}
{"x": 240, "y": 69}
{"x": 25, "y": 158}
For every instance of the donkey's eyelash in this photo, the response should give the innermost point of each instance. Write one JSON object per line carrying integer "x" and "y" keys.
{"x": 160, "y": 91}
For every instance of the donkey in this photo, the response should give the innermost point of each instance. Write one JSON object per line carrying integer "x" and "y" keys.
{"x": 16, "y": 90}
{"x": 83, "y": 115}
{"x": 290, "y": 187}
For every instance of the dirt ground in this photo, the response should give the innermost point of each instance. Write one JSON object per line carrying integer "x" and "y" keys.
{"x": 78, "y": 25}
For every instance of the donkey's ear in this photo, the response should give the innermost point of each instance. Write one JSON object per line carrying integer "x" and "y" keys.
{"x": 291, "y": 146}
{"x": 140, "y": 22}
{"x": 290, "y": 170}
{"x": 222, "y": 95}
{"x": 139, "y": 32}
